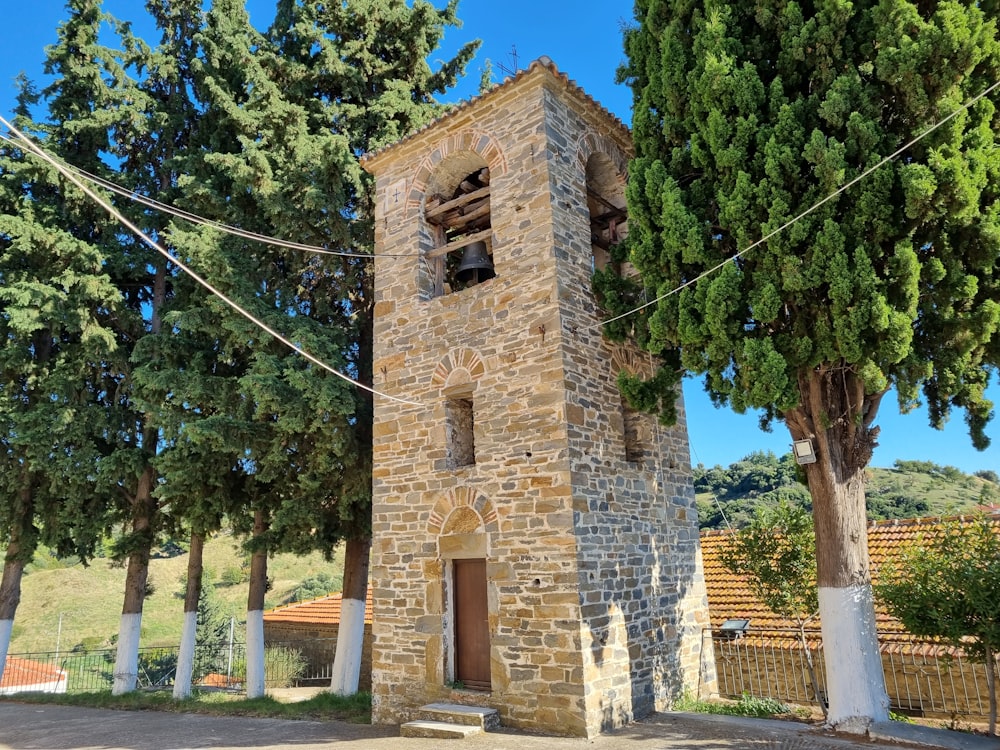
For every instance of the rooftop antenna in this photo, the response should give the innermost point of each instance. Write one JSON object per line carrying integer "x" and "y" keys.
{"x": 510, "y": 71}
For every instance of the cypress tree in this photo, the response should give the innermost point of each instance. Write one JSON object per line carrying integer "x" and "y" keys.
{"x": 746, "y": 115}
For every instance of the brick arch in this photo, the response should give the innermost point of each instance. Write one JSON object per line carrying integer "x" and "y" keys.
{"x": 468, "y": 139}
{"x": 594, "y": 143}
{"x": 465, "y": 498}
{"x": 459, "y": 365}
{"x": 628, "y": 359}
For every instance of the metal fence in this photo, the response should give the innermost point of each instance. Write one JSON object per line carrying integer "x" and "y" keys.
{"x": 922, "y": 678}
{"x": 216, "y": 667}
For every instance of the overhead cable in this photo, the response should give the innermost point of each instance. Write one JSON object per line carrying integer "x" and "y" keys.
{"x": 201, "y": 220}
{"x": 65, "y": 171}
{"x": 802, "y": 215}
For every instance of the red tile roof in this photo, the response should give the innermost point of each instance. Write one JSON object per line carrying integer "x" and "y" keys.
{"x": 216, "y": 680}
{"x": 23, "y": 673}
{"x": 322, "y": 611}
{"x": 729, "y": 596}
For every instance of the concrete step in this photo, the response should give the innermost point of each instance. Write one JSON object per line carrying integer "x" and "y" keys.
{"x": 438, "y": 729}
{"x": 476, "y": 716}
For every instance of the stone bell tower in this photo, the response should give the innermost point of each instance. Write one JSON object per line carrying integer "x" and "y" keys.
{"x": 535, "y": 540}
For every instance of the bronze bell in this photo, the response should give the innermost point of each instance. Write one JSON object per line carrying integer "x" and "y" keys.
{"x": 476, "y": 265}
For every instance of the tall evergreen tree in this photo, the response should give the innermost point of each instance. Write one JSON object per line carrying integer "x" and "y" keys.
{"x": 56, "y": 306}
{"x": 286, "y": 117}
{"x": 126, "y": 112}
{"x": 207, "y": 414}
{"x": 746, "y": 115}
{"x": 51, "y": 289}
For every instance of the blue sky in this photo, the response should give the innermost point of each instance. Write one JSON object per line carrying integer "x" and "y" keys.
{"x": 583, "y": 38}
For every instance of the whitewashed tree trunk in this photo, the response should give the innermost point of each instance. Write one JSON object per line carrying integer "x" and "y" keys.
{"x": 189, "y": 629}
{"x": 6, "y": 626}
{"x": 127, "y": 656}
{"x": 347, "y": 662}
{"x": 850, "y": 640}
{"x": 836, "y": 415}
{"x": 185, "y": 656}
{"x": 143, "y": 518}
{"x": 255, "y": 613}
{"x": 346, "y": 673}
{"x": 136, "y": 577}
{"x": 255, "y": 654}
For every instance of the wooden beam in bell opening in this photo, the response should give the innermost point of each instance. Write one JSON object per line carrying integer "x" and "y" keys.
{"x": 434, "y": 214}
{"x": 458, "y": 244}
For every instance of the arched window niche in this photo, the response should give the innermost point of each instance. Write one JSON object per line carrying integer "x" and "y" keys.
{"x": 457, "y": 212}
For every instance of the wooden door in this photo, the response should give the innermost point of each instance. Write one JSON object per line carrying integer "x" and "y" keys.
{"x": 472, "y": 635}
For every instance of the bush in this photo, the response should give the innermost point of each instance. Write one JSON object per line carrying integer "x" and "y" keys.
{"x": 747, "y": 705}
{"x": 233, "y": 576}
{"x": 283, "y": 666}
{"x": 313, "y": 587}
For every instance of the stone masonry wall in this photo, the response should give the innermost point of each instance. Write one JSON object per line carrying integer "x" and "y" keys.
{"x": 593, "y": 588}
{"x": 642, "y": 591}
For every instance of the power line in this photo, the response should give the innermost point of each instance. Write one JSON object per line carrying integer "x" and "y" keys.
{"x": 802, "y": 215}
{"x": 65, "y": 171}
{"x": 201, "y": 220}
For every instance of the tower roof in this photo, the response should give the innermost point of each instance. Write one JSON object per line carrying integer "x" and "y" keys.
{"x": 543, "y": 66}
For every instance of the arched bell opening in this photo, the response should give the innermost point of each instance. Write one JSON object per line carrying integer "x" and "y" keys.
{"x": 457, "y": 208}
{"x": 606, "y": 203}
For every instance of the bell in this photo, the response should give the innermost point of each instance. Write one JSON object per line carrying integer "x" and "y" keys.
{"x": 476, "y": 264}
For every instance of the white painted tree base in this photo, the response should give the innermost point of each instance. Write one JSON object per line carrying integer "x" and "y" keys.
{"x": 6, "y": 628}
{"x": 185, "y": 657}
{"x": 350, "y": 642}
{"x": 127, "y": 658}
{"x": 855, "y": 682}
{"x": 255, "y": 654}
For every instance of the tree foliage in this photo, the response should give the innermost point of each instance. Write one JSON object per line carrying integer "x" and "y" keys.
{"x": 777, "y": 554}
{"x": 194, "y": 414}
{"x": 748, "y": 114}
{"x": 947, "y": 586}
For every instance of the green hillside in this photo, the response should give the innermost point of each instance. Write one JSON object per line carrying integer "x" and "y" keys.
{"x": 89, "y": 599}
{"x": 910, "y": 489}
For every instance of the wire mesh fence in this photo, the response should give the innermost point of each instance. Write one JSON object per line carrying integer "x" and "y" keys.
{"x": 219, "y": 666}
{"x": 922, "y": 678}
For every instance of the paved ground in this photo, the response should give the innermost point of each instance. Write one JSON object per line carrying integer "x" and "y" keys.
{"x": 26, "y": 726}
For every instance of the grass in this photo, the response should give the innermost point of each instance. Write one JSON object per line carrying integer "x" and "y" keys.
{"x": 747, "y": 705}
{"x": 355, "y": 709}
{"x": 89, "y": 599}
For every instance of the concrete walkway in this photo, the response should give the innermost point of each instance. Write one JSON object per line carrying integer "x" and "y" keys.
{"x": 25, "y": 726}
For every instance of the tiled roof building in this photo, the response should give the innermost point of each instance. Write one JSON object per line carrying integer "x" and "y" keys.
{"x": 729, "y": 596}
{"x": 311, "y": 627}
{"x": 324, "y": 611}
{"x": 922, "y": 677}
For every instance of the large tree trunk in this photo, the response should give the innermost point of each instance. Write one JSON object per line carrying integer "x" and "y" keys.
{"x": 144, "y": 508}
{"x": 189, "y": 629}
{"x": 10, "y": 587}
{"x": 137, "y": 573}
{"x": 351, "y": 632}
{"x": 836, "y": 415}
{"x": 255, "y": 612}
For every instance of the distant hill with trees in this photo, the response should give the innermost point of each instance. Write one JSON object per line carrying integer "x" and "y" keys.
{"x": 909, "y": 489}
